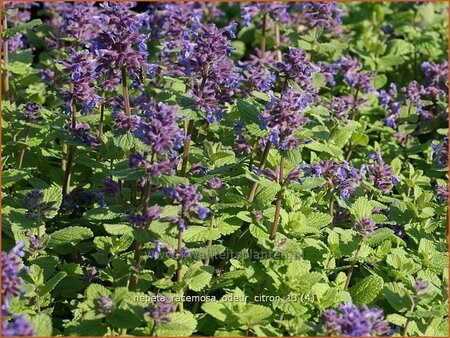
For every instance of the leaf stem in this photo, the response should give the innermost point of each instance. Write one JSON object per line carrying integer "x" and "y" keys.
{"x": 262, "y": 163}
{"x": 102, "y": 116}
{"x": 352, "y": 267}
{"x": 132, "y": 281}
{"x": 188, "y": 128}
{"x": 179, "y": 272}
{"x": 22, "y": 151}
{"x": 209, "y": 243}
{"x": 5, "y": 63}
{"x": 263, "y": 32}
{"x": 69, "y": 164}
{"x": 408, "y": 321}
{"x": 126, "y": 96}
{"x": 276, "y": 219}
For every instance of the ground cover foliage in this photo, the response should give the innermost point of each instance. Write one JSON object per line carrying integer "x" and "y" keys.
{"x": 224, "y": 169}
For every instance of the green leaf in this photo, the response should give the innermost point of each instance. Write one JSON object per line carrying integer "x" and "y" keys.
{"x": 21, "y": 28}
{"x": 167, "y": 181}
{"x": 379, "y": 81}
{"x": 129, "y": 174}
{"x": 379, "y": 235}
{"x": 254, "y": 314}
{"x": 200, "y": 234}
{"x": 366, "y": 290}
{"x": 217, "y": 310}
{"x": 249, "y": 112}
{"x": 51, "y": 283}
{"x": 42, "y": 325}
{"x": 181, "y": 325}
{"x": 122, "y": 318}
{"x": 361, "y": 208}
{"x": 398, "y": 296}
{"x": 69, "y": 236}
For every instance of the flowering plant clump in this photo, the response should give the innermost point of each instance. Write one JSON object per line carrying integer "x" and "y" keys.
{"x": 224, "y": 169}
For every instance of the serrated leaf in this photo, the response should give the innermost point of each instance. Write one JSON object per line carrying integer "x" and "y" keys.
{"x": 366, "y": 290}
{"x": 123, "y": 318}
{"x": 42, "y": 325}
{"x": 249, "y": 113}
{"x": 21, "y": 28}
{"x": 69, "y": 236}
{"x": 167, "y": 181}
{"x": 361, "y": 208}
{"x": 398, "y": 296}
{"x": 51, "y": 283}
{"x": 180, "y": 325}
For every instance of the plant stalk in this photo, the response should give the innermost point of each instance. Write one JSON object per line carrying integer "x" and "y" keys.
{"x": 22, "y": 151}
{"x": 209, "y": 243}
{"x": 132, "y": 281}
{"x": 188, "y": 128}
{"x": 5, "y": 74}
{"x": 408, "y": 321}
{"x": 352, "y": 267}
{"x": 276, "y": 219}
{"x": 262, "y": 163}
{"x": 263, "y": 32}
{"x": 126, "y": 95}
{"x": 102, "y": 116}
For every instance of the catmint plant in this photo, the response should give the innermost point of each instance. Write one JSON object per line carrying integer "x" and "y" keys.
{"x": 210, "y": 169}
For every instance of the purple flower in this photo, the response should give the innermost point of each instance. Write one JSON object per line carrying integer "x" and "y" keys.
{"x": 276, "y": 11}
{"x": 156, "y": 251}
{"x": 354, "y": 77}
{"x": 338, "y": 176}
{"x": 351, "y": 320}
{"x": 366, "y": 226}
{"x": 440, "y": 152}
{"x": 120, "y": 45}
{"x": 144, "y": 219}
{"x": 296, "y": 66}
{"x": 79, "y": 199}
{"x": 420, "y": 288}
{"x": 105, "y": 304}
{"x": 158, "y": 128}
{"x": 441, "y": 192}
{"x": 388, "y": 101}
{"x": 81, "y": 132}
{"x": 214, "y": 183}
{"x": 379, "y": 173}
{"x": 111, "y": 188}
{"x": 340, "y": 106}
{"x": 80, "y": 69}
{"x": 17, "y": 326}
{"x": 284, "y": 116}
{"x": 35, "y": 205}
{"x": 198, "y": 168}
{"x": 161, "y": 310}
{"x": 322, "y": 14}
{"x": 186, "y": 195}
{"x": 413, "y": 93}
{"x": 32, "y": 112}
{"x": 255, "y": 71}
{"x": 180, "y": 222}
{"x": 126, "y": 123}
{"x": 435, "y": 73}
{"x": 35, "y": 242}
{"x": 11, "y": 268}
{"x": 205, "y": 55}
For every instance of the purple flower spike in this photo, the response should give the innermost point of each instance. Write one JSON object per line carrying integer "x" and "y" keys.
{"x": 379, "y": 173}
{"x": 105, "y": 304}
{"x": 366, "y": 226}
{"x": 161, "y": 310}
{"x": 351, "y": 320}
{"x": 18, "y": 326}
{"x": 11, "y": 268}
